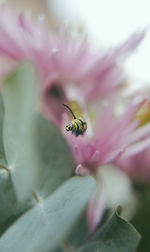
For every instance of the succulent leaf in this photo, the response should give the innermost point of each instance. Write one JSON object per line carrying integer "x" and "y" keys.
{"x": 116, "y": 235}
{"x": 56, "y": 158}
{"x": 20, "y": 130}
{"x": 43, "y": 227}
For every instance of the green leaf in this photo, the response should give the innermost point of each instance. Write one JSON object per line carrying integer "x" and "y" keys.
{"x": 38, "y": 157}
{"x": 56, "y": 158}
{"x": 33, "y": 154}
{"x": 3, "y": 161}
{"x": 141, "y": 220}
{"x": 44, "y": 227}
{"x": 8, "y": 201}
{"x": 115, "y": 236}
{"x": 20, "y": 129}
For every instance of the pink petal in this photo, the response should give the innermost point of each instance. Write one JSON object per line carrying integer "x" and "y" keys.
{"x": 112, "y": 157}
{"x": 131, "y": 43}
{"x": 140, "y": 133}
{"x": 80, "y": 170}
{"x": 136, "y": 148}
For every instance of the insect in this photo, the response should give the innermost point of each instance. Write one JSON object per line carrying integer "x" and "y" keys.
{"x": 78, "y": 126}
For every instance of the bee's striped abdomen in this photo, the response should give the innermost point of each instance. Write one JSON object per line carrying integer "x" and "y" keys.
{"x": 77, "y": 126}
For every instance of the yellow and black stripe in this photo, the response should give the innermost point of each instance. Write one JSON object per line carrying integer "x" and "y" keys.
{"x": 78, "y": 126}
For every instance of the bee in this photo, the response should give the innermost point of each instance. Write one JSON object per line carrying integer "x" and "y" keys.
{"x": 78, "y": 126}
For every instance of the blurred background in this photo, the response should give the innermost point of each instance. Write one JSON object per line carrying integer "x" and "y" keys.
{"x": 108, "y": 23}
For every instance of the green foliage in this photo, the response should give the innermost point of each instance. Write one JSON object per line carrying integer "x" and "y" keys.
{"x": 32, "y": 162}
{"x": 41, "y": 207}
{"x": 116, "y": 235}
{"x": 43, "y": 227}
{"x": 3, "y": 161}
{"x": 56, "y": 159}
{"x": 20, "y": 130}
{"x": 142, "y": 218}
{"x": 9, "y": 207}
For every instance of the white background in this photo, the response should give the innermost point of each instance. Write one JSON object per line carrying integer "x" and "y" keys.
{"x": 109, "y": 22}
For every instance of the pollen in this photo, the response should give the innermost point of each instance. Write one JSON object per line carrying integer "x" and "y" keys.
{"x": 144, "y": 115}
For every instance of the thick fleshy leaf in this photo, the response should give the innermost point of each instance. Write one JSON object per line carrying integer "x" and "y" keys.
{"x": 115, "y": 236}
{"x": 78, "y": 232}
{"x": 142, "y": 220}
{"x": 8, "y": 200}
{"x": 38, "y": 158}
{"x": 56, "y": 158}
{"x": 20, "y": 129}
{"x": 3, "y": 161}
{"x": 45, "y": 226}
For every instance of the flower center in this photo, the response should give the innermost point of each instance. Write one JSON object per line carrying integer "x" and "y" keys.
{"x": 56, "y": 92}
{"x": 144, "y": 115}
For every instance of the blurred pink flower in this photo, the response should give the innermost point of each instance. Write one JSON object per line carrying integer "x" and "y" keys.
{"x": 112, "y": 139}
{"x": 62, "y": 61}
{"x": 70, "y": 70}
{"x": 137, "y": 166}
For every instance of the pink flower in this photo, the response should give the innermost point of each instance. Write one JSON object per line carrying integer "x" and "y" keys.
{"x": 137, "y": 166}
{"x": 64, "y": 63}
{"x": 112, "y": 140}
{"x": 70, "y": 70}
{"x": 19, "y": 37}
